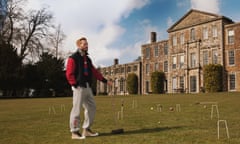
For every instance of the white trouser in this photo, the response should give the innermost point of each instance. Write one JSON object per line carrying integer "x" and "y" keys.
{"x": 82, "y": 97}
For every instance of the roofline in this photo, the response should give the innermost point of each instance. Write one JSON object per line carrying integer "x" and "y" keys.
{"x": 161, "y": 41}
{"x": 218, "y": 17}
{"x": 233, "y": 24}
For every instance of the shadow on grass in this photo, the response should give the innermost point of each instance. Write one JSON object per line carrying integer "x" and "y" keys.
{"x": 141, "y": 131}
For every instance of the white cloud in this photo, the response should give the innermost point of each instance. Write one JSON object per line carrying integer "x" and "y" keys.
{"x": 182, "y": 3}
{"x": 169, "y": 22}
{"x": 206, "y": 5}
{"x": 97, "y": 20}
{"x": 134, "y": 50}
{"x": 146, "y": 28}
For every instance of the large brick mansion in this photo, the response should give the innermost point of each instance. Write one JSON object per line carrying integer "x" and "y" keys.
{"x": 197, "y": 39}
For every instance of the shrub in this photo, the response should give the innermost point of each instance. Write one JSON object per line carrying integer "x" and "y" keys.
{"x": 132, "y": 83}
{"x": 157, "y": 82}
{"x": 213, "y": 77}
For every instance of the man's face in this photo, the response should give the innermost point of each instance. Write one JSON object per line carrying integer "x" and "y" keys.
{"x": 83, "y": 45}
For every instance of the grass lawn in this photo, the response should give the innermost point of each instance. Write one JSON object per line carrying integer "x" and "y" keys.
{"x": 28, "y": 121}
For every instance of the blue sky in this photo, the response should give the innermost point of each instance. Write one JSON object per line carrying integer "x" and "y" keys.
{"x": 117, "y": 29}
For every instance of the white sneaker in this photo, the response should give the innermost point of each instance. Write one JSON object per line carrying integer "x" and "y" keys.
{"x": 77, "y": 135}
{"x": 89, "y": 132}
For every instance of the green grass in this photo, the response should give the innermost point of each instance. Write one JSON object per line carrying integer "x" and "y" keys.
{"x": 27, "y": 121}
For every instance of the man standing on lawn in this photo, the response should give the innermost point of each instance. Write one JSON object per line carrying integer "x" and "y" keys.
{"x": 79, "y": 74}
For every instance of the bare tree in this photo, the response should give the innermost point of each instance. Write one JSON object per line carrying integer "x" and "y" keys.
{"x": 33, "y": 30}
{"x": 56, "y": 39}
{"x": 14, "y": 15}
{"x": 26, "y": 30}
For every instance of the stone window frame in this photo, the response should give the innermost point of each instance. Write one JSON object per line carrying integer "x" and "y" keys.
{"x": 230, "y": 35}
{"x": 205, "y": 33}
{"x": 181, "y": 61}
{"x": 148, "y": 52}
{"x": 193, "y": 60}
{"x": 147, "y": 88}
{"x": 214, "y": 56}
{"x": 156, "y": 51}
{"x": 165, "y": 66}
{"x": 181, "y": 82}
{"x": 193, "y": 83}
{"x": 182, "y": 38}
{"x": 231, "y": 57}
{"x": 174, "y": 83}
{"x": 165, "y": 48}
{"x": 205, "y": 57}
{"x": 156, "y": 66}
{"x": 174, "y": 40}
{"x": 129, "y": 69}
{"x": 232, "y": 81}
{"x": 174, "y": 62}
{"x": 192, "y": 34}
{"x": 214, "y": 31}
{"x": 147, "y": 68}
{"x": 121, "y": 84}
{"x": 135, "y": 68}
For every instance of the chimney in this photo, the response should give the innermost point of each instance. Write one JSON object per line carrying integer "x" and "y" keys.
{"x": 115, "y": 61}
{"x": 153, "y": 37}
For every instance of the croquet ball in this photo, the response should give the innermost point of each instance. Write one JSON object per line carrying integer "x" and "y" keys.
{"x": 151, "y": 108}
{"x": 204, "y": 106}
{"x": 171, "y": 109}
{"x": 159, "y": 122}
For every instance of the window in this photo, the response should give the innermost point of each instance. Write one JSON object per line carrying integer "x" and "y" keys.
{"x": 174, "y": 65}
{"x": 214, "y": 57}
{"x": 147, "y": 68}
{"x": 181, "y": 82}
{"x": 147, "y": 52}
{"x": 205, "y": 57}
{"x": 193, "y": 60}
{"x": 129, "y": 69}
{"x": 230, "y": 37}
{"x": 165, "y": 49}
{"x": 174, "y": 40}
{"x": 147, "y": 86}
{"x": 214, "y": 31}
{"x": 156, "y": 51}
{"x": 156, "y": 67}
{"x": 232, "y": 81}
{"x": 121, "y": 84}
{"x": 205, "y": 33}
{"x": 231, "y": 57}
{"x": 181, "y": 61}
{"x": 192, "y": 34}
{"x": 182, "y": 38}
{"x": 135, "y": 68}
{"x": 174, "y": 83}
{"x": 165, "y": 66}
{"x": 193, "y": 84}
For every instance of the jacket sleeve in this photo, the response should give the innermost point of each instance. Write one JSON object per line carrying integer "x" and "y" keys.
{"x": 70, "y": 72}
{"x": 98, "y": 75}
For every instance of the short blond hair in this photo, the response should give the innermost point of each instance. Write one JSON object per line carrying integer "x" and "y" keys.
{"x": 78, "y": 42}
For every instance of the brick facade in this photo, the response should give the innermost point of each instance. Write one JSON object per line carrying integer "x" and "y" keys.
{"x": 197, "y": 39}
{"x": 232, "y": 68}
